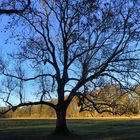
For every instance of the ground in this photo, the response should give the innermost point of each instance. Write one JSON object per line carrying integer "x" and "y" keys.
{"x": 82, "y": 129}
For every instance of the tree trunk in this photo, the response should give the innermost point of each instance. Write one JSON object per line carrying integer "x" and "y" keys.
{"x": 61, "y": 125}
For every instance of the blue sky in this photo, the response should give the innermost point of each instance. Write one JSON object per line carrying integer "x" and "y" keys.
{"x": 11, "y": 46}
{"x": 7, "y": 48}
{"x": 4, "y": 48}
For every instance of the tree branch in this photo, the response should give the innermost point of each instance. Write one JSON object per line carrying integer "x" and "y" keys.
{"x": 15, "y": 11}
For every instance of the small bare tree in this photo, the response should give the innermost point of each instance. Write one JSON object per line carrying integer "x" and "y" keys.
{"x": 74, "y": 47}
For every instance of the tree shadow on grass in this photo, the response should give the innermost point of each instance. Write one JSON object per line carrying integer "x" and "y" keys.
{"x": 70, "y": 136}
{"x": 52, "y": 136}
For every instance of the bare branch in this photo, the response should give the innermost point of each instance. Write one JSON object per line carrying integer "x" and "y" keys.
{"x": 15, "y": 11}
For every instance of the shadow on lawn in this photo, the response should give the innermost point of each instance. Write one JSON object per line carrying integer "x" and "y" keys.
{"x": 72, "y": 136}
{"x": 64, "y": 137}
{"x": 68, "y": 137}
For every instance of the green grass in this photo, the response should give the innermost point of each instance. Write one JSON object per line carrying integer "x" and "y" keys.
{"x": 88, "y": 129}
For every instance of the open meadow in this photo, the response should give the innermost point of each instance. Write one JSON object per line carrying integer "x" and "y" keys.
{"x": 88, "y": 129}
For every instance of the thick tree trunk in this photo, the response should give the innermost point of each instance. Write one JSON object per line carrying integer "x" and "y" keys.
{"x": 61, "y": 125}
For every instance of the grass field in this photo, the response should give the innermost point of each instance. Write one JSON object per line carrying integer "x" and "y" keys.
{"x": 85, "y": 129}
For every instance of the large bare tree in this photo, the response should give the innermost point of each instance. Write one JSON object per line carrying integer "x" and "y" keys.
{"x": 70, "y": 48}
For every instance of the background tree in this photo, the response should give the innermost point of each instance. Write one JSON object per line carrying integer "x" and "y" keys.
{"x": 73, "y": 47}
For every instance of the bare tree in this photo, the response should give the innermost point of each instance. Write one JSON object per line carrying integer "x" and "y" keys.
{"x": 13, "y": 6}
{"x": 76, "y": 47}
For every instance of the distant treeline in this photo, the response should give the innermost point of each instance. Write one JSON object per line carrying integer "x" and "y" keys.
{"x": 123, "y": 104}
